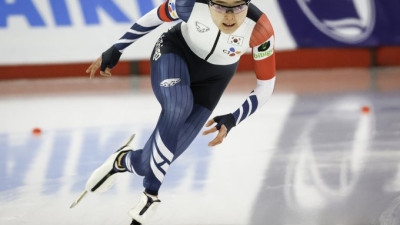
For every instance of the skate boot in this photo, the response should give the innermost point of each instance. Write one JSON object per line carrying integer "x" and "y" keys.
{"x": 144, "y": 209}
{"x": 103, "y": 177}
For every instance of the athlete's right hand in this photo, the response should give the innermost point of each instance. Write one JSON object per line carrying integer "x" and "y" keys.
{"x": 105, "y": 62}
{"x": 92, "y": 69}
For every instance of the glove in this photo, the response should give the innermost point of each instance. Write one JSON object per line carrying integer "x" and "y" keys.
{"x": 110, "y": 58}
{"x": 228, "y": 120}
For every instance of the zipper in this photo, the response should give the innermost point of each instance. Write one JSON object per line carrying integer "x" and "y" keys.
{"x": 214, "y": 46}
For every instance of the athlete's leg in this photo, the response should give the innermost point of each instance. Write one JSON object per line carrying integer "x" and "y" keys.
{"x": 189, "y": 131}
{"x": 191, "y": 128}
{"x": 171, "y": 85}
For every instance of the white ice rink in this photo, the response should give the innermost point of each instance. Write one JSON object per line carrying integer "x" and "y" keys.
{"x": 306, "y": 158}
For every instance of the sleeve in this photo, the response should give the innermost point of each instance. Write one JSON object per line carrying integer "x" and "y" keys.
{"x": 262, "y": 43}
{"x": 166, "y": 12}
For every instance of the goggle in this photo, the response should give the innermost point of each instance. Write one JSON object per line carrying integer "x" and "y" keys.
{"x": 225, "y": 9}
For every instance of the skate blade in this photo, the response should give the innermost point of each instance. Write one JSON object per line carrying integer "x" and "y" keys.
{"x": 134, "y": 222}
{"x": 128, "y": 143}
{"x": 78, "y": 199}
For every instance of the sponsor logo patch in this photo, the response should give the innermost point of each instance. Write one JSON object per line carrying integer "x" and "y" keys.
{"x": 264, "y": 50}
{"x": 172, "y": 9}
{"x": 232, "y": 52}
{"x": 170, "y": 82}
{"x": 157, "y": 51}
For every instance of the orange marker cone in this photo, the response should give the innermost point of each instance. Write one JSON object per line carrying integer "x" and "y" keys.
{"x": 365, "y": 110}
{"x": 36, "y": 132}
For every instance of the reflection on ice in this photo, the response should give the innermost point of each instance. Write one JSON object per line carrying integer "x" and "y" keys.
{"x": 311, "y": 160}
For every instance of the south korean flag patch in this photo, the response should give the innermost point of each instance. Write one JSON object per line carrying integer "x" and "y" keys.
{"x": 264, "y": 50}
{"x": 235, "y": 40}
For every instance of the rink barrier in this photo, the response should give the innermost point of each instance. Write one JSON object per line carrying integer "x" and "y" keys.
{"x": 313, "y": 58}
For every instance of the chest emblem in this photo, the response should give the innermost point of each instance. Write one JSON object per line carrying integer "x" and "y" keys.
{"x": 201, "y": 27}
{"x": 235, "y": 40}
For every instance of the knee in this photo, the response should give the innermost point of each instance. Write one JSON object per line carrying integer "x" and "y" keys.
{"x": 178, "y": 109}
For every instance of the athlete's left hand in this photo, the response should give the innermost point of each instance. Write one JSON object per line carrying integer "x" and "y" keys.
{"x": 224, "y": 125}
{"x": 222, "y": 132}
